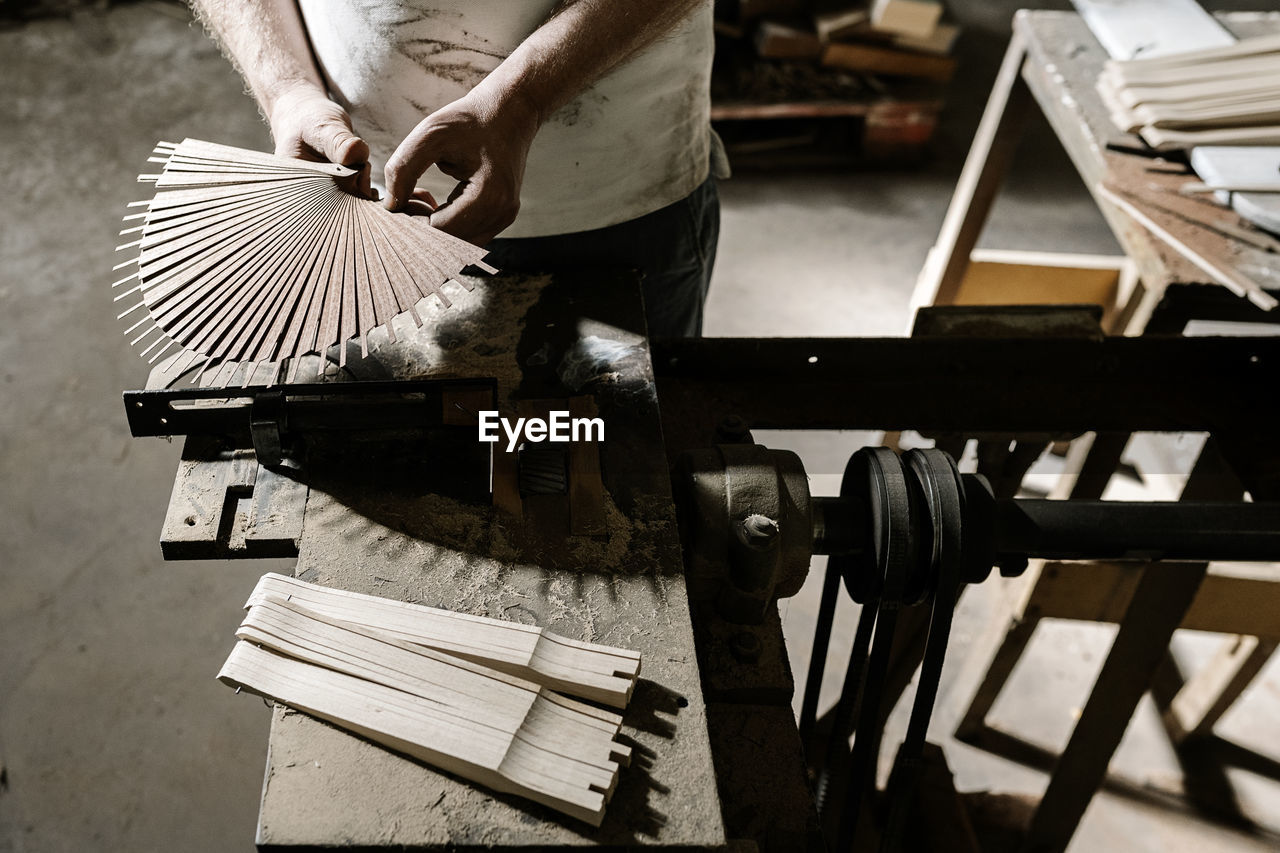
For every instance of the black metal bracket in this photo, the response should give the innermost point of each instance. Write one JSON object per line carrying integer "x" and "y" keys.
{"x": 269, "y": 419}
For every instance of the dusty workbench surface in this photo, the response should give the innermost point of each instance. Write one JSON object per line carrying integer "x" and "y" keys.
{"x": 370, "y": 526}
{"x": 1062, "y": 67}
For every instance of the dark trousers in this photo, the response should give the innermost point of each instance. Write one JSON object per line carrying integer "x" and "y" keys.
{"x": 673, "y": 248}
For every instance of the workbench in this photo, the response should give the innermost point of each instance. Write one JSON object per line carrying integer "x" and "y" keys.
{"x": 368, "y": 522}
{"x": 1052, "y": 62}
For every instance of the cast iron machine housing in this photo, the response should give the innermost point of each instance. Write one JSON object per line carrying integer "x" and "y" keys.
{"x": 907, "y": 530}
{"x": 911, "y": 530}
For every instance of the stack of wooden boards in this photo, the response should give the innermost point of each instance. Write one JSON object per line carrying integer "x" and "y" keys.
{"x": 892, "y": 38}
{"x": 1223, "y": 95}
{"x": 1246, "y": 177}
{"x": 469, "y": 695}
{"x": 245, "y": 257}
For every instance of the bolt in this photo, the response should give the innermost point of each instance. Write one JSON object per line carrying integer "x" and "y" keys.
{"x": 733, "y": 428}
{"x": 745, "y": 647}
{"x": 758, "y": 531}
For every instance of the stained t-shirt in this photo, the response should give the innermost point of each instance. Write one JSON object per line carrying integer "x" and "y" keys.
{"x": 636, "y": 140}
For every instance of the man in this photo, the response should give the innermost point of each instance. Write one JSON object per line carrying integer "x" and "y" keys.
{"x": 579, "y": 130}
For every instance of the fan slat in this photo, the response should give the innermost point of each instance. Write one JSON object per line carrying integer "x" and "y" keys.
{"x": 250, "y": 258}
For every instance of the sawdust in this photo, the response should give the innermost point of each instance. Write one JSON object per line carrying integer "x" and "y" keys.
{"x": 474, "y": 336}
{"x": 593, "y": 359}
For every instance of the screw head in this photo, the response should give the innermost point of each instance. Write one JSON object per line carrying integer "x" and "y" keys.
{"x": 745, "y": 646}
{"x": 733, "y": 428}
{"x": 758, "y": 531}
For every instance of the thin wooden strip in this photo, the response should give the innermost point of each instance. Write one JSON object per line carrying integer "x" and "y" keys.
{"x": 410, "y": 245}
{"x": 206, "y": 196}
{"x": 348, "y": 320}
{"x": 366, "y": 315}
{"x": 195, "y": 210}
{"x": 1247, "y": 68}
{"x": 1164, "y": 139}
{"x": 235, "y": 271}
{"x": 288, "y": 301}
{"x": 400, "y": 277}
{"x": 326, "y": 334}
{"x": 378, "y": 285}
{"x": 536, "y": 766}
{"x": 541, "y": 752}
{"x": 433, "y": 633}
{"x": 507, "y": 646}
{"x": 253, "y": 237}
{"x": 490, "y": 717}
{"x": 192, "y": 180}
{"x": 309, "y": 304}
{"x": 1132, "y": 96}
{"x": 484, "y": 701}
{"x": 182, "y": 232}
{"x": 442, "y": 636}
{"x": 1230, "y": 279}
{"x": 370, "y": 710}
{"x": 199, "y": 256}
{"x": 424, "y": 669}
{"x": 189, "y": 163}
{"x": 1244, "y": 47}
{"x": 450, "y": 731}
{"x": 276, "y": 283}
{"x": 214, "y": 151}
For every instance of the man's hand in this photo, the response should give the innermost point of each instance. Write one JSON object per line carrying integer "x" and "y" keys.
{"x": 307, "y": 125}
{"x": 483, "y": 142}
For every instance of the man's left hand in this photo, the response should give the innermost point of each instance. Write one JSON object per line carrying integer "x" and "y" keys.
{"x": 483, "y": 142}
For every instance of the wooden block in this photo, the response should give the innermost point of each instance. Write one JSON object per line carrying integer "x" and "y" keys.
{"x": 506, "y": 482}
{"x": 1035, "y": 278}
{"x": 914, "y": 18}
{"x": 775, "y": 40}
{"x": 586, "y": 488}
{"x": 833, "y": 26}
{"x": 201, "y": 520}
{"x": 939, "y": 42}
{"x": 1100, "y": 592}
{"x": 276, "y": 514}
{"x": 888, "y": 61}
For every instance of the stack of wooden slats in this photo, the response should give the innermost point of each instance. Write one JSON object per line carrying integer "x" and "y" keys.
{"x": 245, "y": 257}
{"x": 893, "y": 38}
{"x": 1226, "y": 95}
{"x": 466, "y": 694}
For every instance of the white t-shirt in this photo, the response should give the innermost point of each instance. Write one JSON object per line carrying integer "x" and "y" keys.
{"x": 637, "y": 140}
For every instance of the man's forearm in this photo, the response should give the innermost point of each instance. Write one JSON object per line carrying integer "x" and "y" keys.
{"x": 267, "y": 42}
{"x": 580, "y": 42}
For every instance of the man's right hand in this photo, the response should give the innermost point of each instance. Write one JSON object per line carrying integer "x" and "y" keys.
{"x": 306, "y": 124}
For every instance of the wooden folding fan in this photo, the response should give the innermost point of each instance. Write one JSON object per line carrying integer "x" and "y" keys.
{"x": 252, "y": 258}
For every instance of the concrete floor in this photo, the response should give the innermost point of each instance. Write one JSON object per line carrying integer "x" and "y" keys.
{"x": 113, "y": 733}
